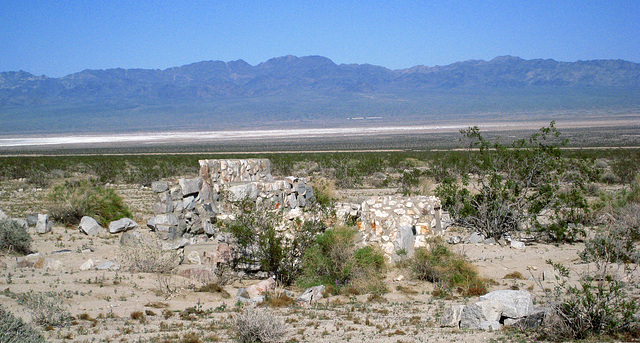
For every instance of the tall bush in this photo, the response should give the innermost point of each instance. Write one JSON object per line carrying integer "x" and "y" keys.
{"x": 506, "y": 188}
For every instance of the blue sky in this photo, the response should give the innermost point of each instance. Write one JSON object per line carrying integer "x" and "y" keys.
{"x": 57, "y": 38}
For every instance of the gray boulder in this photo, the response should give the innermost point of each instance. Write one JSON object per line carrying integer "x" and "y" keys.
{"x": 518, "y": 245}
{"x": 90, "y": 226}
{"x": 32, "y": 219}
{"x": 190, "y": 186}
{"x": 475, "y": 238}
{"x": 43, "y": 225}
{"x": 160, "y": 186}
{"x": 452, "y": 316}
{"x": 516, "y": 304}
{"x": 475, "y": 314}
{"x": 3, "y": 216}
{"x": 311, "y": 295}
{"x": 121, "y": 225}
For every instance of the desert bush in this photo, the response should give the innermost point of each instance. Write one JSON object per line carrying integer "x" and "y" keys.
{"x": 334, "y": 260}
{"x": 610, "y": 178}
{"x": 45, "y": 308}
{"x": 14, "y": 330}
{"x": 599, "y": 304}
{"x": 617, "y": 241}
{"x": 148, "y": 257}
{"x": 258, "y": 242}
{"x": 505, "y": 188}
{"x": 442, "y": 266}
{"x": 75, "y": 199}
{"x": 324, "y": 190}
{"x": 14, "y": 238}
{"x": 257, "y": 325}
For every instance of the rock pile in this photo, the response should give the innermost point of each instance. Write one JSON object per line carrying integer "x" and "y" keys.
{"x": 192, "y": 207}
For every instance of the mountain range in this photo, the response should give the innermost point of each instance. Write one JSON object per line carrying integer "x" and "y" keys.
{"x": 294, "y": 91}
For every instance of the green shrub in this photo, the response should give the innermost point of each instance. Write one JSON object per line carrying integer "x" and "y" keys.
{"x": 505, "y": 188}
{"x": 14, "y": 238}
{"x": 334, "y": 261}
{"x": 598, "y": 305}
{"x": 75, "y": 199}
{"x": 14, "y": 330}
{"x": 258, "y": 242}
{"x": 449, "y": 270}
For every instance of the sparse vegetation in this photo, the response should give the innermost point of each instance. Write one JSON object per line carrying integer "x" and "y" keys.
{"x": 335, "y": 261}
{"x": 14, "y": 330}
{"x": 447, "y": 269}
{"x": 14, "y": 238}
{"x": 46, "y": 308}
{"x": 258, "y": 325}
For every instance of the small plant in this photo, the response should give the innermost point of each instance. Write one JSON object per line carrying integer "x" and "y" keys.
{"x": 446, "y": 269}
{"x": 14, "y": 330}
{"x": 45, "y": 308}
{"x": 514, "y": 275}
{"x": 256, "y": 325}
{"x": 149, "y": 258}
{"x": 14, "y": 238}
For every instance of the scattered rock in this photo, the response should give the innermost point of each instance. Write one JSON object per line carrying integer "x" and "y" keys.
{"x": 452, "y": 316}
{"x": 454, "y": 239}
{"x": 518, "y": 245}
{"x": 475, "y": 238}
{"x": 21, "y": 222}
{"x": 121, "y": 225}
{"x": 42, "y": 226}
{"x": 87, "y": 265}
{"x": 90, "y": 226}
{"x": 516, "y": 303}
{"x": 311, "y": 295}
{"x": 3, "y": 216}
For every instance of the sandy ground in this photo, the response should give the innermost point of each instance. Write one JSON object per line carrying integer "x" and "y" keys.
{"x": 104, "y": 302}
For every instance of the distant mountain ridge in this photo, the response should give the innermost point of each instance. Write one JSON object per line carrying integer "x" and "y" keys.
{"x": 308, "y": 88}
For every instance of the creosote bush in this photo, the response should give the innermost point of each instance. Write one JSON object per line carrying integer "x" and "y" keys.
{"x": 258, "y": 325}
{"x": 334, "y": 261}
{"x": 14, "y": 330}
{"x": 447, "y": 269}
{"x": 14, "y": 238}
{"x": 75, "y": 199}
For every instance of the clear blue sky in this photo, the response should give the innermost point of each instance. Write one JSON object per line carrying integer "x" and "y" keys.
{"x": 57, "y": 38}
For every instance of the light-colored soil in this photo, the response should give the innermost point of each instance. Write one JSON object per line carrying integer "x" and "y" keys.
{"x": 107, "y": 299}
